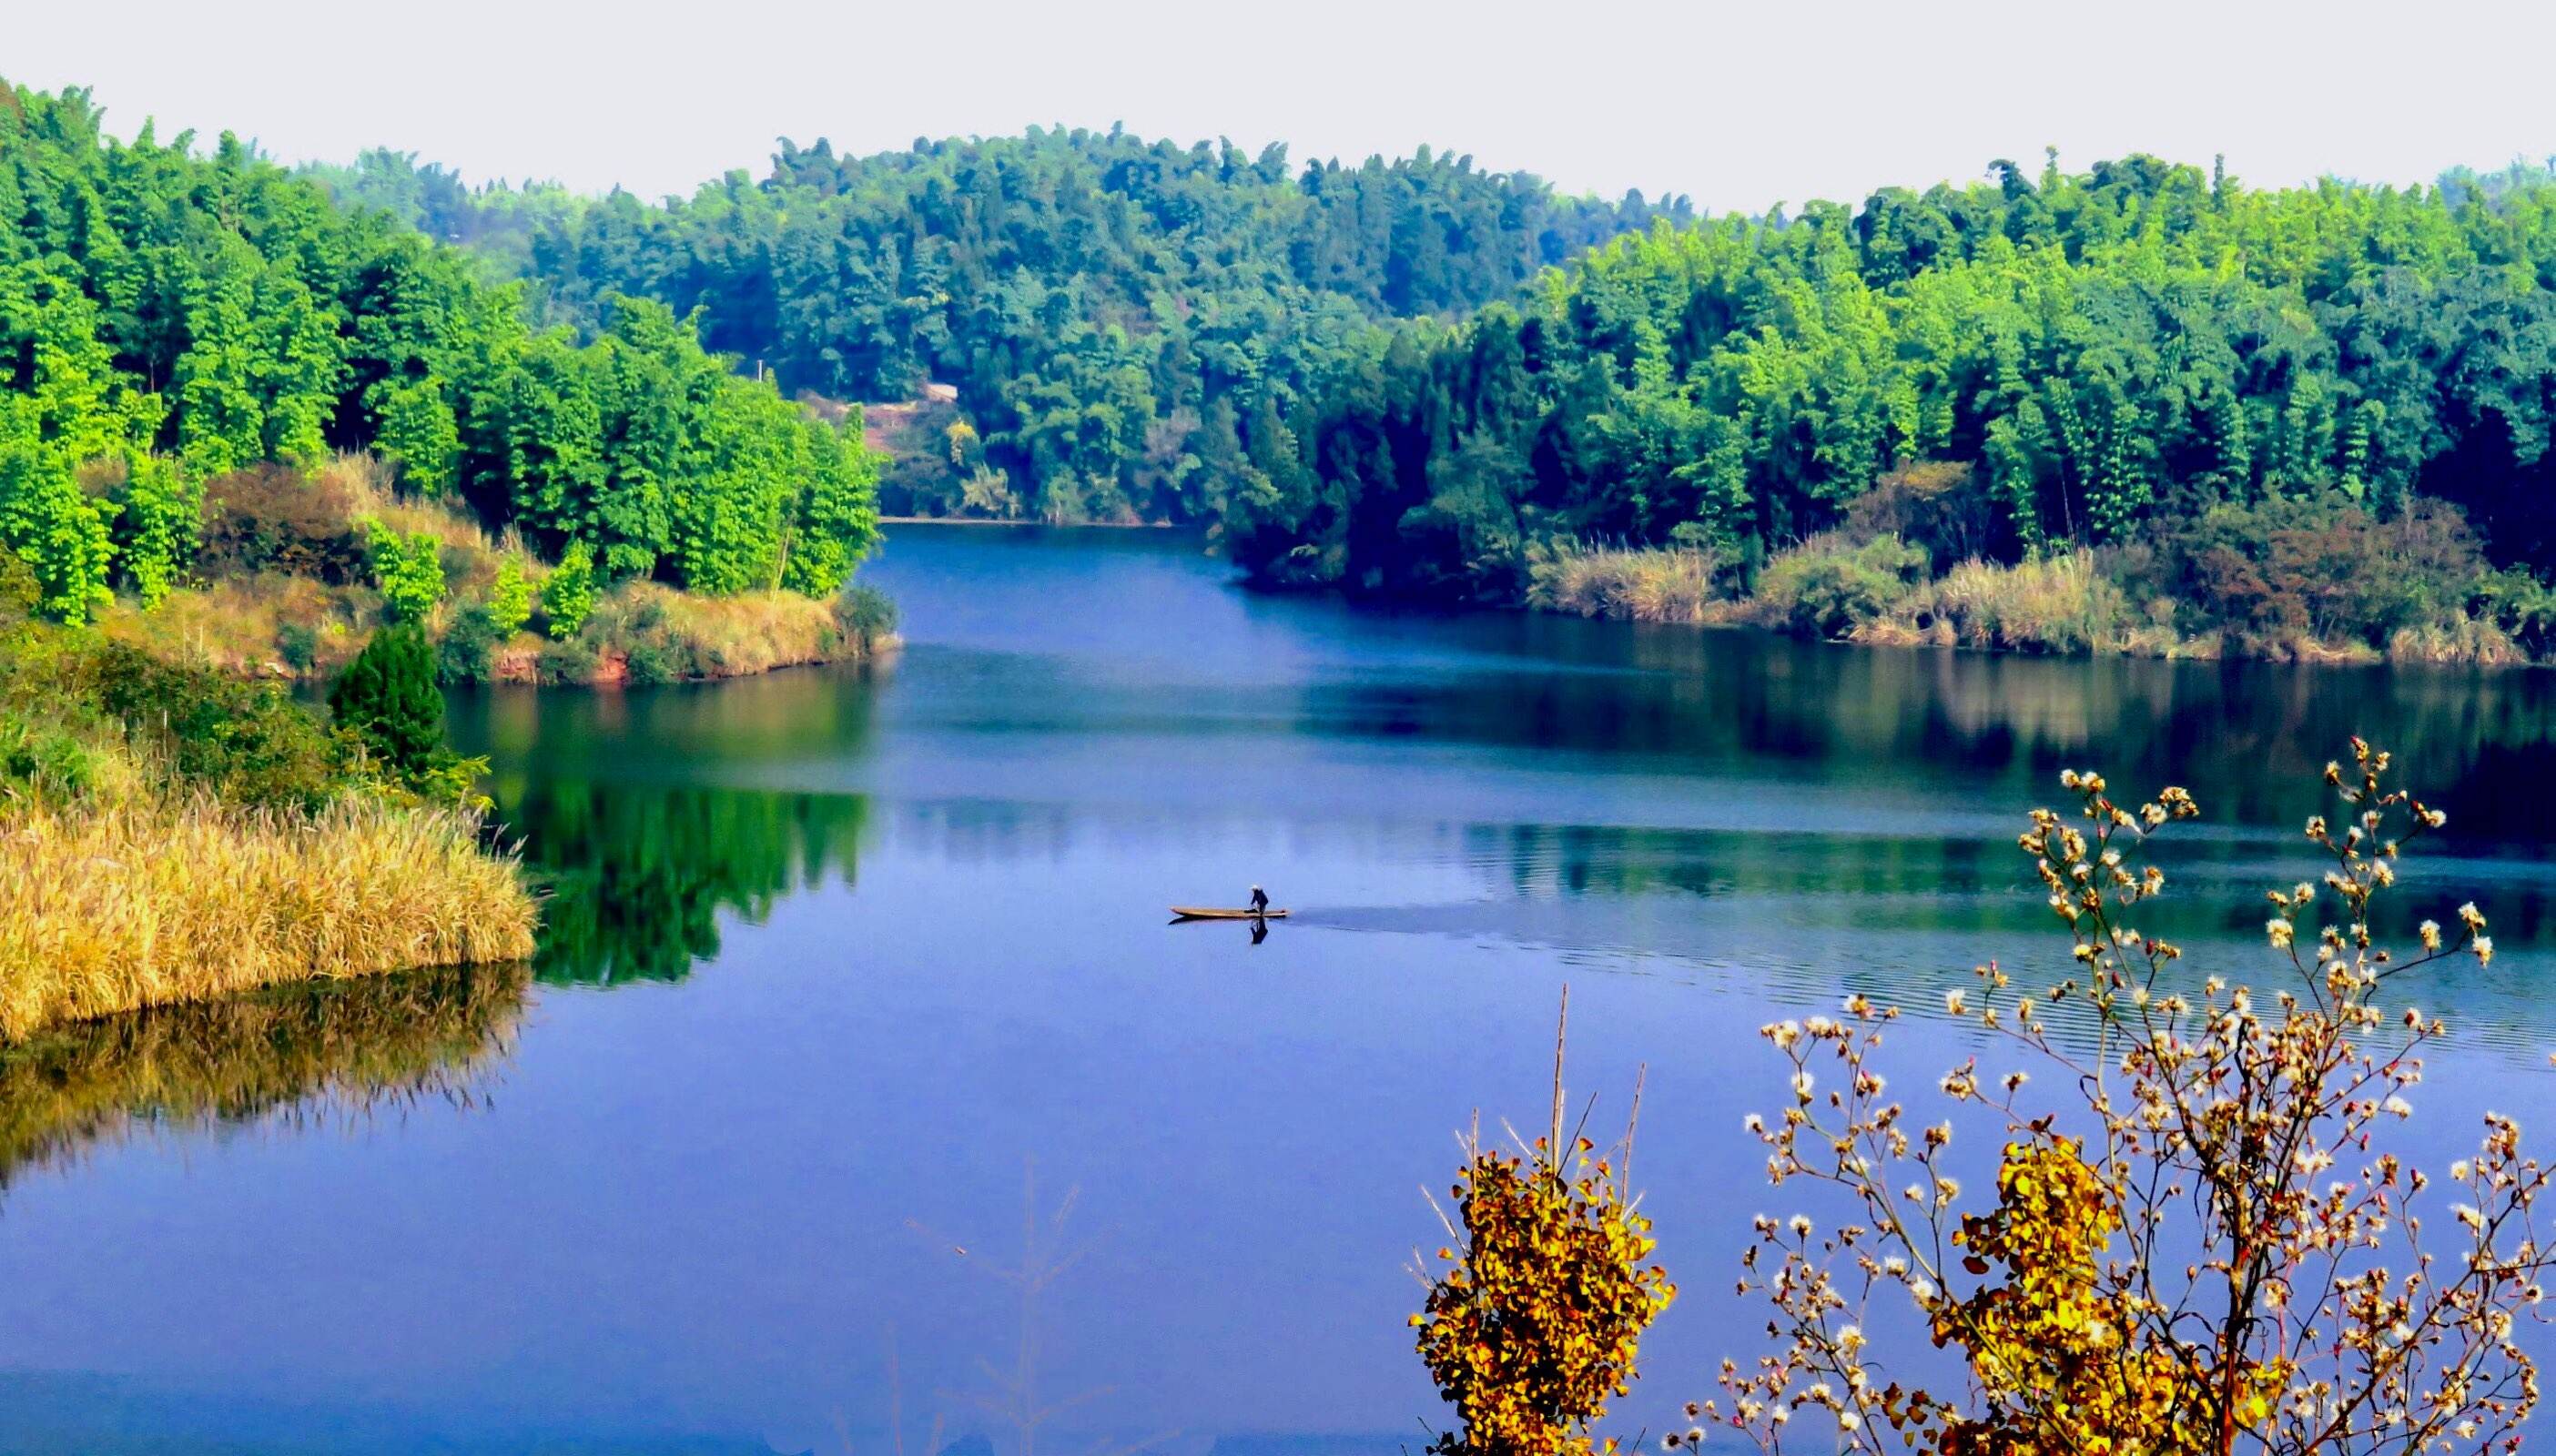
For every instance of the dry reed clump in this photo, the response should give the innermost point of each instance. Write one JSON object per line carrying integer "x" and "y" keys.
{"x": 2056, "y": 604}
{"x": 2469, "y": 643}
{"x": 1640, "y": 584}
{"x": 750, "y": 633}
{"x": 115, "y": 906}
{"x": 367, "y": 479}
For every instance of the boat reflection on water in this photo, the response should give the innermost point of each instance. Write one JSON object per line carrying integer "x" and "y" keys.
{"x": 302, "y": 1056}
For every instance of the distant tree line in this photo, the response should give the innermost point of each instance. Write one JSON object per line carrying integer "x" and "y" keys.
{"x": 1403, "y": 377}
{"x": 2041, "y": 361}
{"x": 1113, "y": 314}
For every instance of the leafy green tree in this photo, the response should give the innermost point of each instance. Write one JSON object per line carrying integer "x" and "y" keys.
{"x": 408, "y": 568}
{"x": 158, "y": 528}
{"x": 414, "y": 428}
{"x": 834, "y": 522}
{"x": 221, "y": 421}
{"x": 510, "y": 598}
{"x": 51, "y": 523}
{"x": 567, "y": 593}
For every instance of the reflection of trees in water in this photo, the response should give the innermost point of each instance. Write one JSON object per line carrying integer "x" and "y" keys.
{"x": 312, "y": 1050}
{"x": 1959, "y": 883}
{"x": 638, "y": 876}
{"x": 2247, "y": 737}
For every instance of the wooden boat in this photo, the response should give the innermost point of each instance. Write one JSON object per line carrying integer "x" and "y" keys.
{"x": 1201, "y": 913}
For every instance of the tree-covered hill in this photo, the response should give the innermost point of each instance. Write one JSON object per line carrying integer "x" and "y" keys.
{"x": 2099, "y": 358}
{"x": 1110, "y": 310}
{"x": 1418, "y": 378}
{"x": 170, "y": 318}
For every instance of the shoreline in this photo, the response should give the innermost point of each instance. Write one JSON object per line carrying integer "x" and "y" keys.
{"x": 1884, "y": 635}
{"x": 1051, "y": 525}
{"x": 292, "y": 629}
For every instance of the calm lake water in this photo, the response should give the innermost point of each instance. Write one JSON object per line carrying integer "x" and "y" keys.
{"x": 862, "y": 1101}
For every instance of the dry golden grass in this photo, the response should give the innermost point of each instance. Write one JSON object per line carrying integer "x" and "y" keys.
{"x": 2056, "y": 604}
{"x": 1640, "y": 584}
{"x": 114, "y": 906}
{"x": 367, "y": 481}
{"x": 646, "y": 632}
{"x": 239, "y": 624}
{"x": 752, "y": 633}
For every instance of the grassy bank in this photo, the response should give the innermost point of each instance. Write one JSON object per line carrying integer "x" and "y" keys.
{"x": 288, "y": 583}
{"x": 2280, "y": 582}
{"x": 170, "y": 833}
{"x": 164, "y": 898}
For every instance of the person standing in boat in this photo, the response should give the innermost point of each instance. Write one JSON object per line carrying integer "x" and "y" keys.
{"x": 1259, "y": 901}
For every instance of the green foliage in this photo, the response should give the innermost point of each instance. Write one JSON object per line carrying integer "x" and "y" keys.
{"x": 567, "y": 594}
{"x": 1105, "y": 308}
{"x": 510, "y": 598}
{"x": 566, "y": 661}
{"x": 43, "y": 761}
{"x": 2025, "y": 367}
{"x": 386, "y": 697}
{"x": 54, "y": 527}
{"x": 245, "y": 742}
{"x": 408, "y": 568}
{"x": 283, "y": 328}
{"x": 414, "y": 428}
{"x": 160, "y": 528}
{"x": 470, "y": 643}
{"x": 865, "y": 614}
{"x": 1829, "y": 585}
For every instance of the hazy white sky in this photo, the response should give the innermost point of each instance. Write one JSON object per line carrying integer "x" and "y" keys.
{"x": 1741, "y": 105}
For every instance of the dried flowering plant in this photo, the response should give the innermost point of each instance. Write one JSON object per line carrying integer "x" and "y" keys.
{"x": 1533, "y": 1324}
{"x": 2211, "y": 1249}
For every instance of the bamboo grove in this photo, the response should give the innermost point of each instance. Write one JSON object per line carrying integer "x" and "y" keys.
{"x": 1112, "y": 312}
{"x": 2095, "y": 353}
{"x": 169, "y": 317}
{"x": 1402, "y": 378}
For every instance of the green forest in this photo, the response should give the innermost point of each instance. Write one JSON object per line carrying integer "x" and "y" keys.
{"x": 2316, "y": 414}
{"x": 176, "y": 320}
{"x": 1421, "y": 379}
{"x": 2092, "y": 353}
{"x": 1113, "y": 313}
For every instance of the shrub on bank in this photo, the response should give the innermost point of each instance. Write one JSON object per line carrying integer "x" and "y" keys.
{"x": 274, "y": 518}
{"x": 1828, "y": 584}
{"x": 866, "y": 615}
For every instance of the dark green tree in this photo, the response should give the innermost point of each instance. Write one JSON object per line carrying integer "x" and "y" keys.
{"x": 387, "y": 698}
